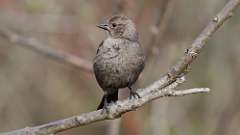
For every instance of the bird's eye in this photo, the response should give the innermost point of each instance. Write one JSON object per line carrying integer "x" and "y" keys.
{"x": 114, "y": 24}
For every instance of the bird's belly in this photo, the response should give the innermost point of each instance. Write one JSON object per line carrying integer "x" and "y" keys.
{"x": 117, "y": 72}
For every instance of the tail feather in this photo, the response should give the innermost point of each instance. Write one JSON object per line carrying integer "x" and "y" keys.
{"x": 113, "y": 97}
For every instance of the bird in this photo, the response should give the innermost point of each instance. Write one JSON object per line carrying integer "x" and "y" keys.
{"x": 119, "y": 59}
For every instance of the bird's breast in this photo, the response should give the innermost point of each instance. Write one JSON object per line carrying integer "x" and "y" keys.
{"x": 118, "y": 63}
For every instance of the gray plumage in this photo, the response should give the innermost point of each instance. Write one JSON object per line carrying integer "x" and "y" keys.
{"x": 119, "y": 59}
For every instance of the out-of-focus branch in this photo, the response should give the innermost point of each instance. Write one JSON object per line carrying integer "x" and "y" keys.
{"x": 161, "y": 88}
{"x": 158, "y": 114}
{"x": 118, "y": 6}
{"x": 158, "y": 29}
{"x": 40, "y": 48}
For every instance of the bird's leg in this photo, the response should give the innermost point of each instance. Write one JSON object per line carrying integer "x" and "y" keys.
{"x": 105, "y": 105}
{"x": 133, "y": 94}
{"x": 105, "y": 102}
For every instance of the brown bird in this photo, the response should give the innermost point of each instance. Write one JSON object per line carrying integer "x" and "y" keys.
{"x": 119, "y": 59}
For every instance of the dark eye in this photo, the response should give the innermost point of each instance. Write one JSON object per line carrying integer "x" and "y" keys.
{"x": 114, "y": 24}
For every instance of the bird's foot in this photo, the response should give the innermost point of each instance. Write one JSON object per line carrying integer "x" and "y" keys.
{"x": 134, "y": 94}
{"x": 105, "y": 109}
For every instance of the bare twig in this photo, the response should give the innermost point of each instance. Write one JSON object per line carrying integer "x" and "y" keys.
{"x": 161, "y": 88}
{"x": 45, "y": 50}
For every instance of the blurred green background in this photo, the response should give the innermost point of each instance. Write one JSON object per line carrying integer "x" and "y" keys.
{"x": 35, "y": 89}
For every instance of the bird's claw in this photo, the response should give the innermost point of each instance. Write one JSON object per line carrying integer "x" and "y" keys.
{"x": 105, "y": 109}
{"x": 134, "y": 95}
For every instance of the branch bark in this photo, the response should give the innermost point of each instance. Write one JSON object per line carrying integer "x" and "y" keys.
{"x": 40, "y": 48}
{"x": 161, "y": 88}
{"x": 115, "y": 111}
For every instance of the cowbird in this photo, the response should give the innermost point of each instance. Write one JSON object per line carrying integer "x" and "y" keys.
{"x": 119, "y": 59}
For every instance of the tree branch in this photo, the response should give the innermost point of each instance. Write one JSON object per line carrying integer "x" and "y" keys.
{"x": 40, "y": 48}
{"x": 161, "y": 88}
{"x": 181, "y": 67}
{"x": 115, "y": 111}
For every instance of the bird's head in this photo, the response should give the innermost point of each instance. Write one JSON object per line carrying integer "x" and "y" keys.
{"x": 120, "y": 26}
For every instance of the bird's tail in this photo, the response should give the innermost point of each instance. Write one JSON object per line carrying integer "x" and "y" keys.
{"x": 113, "y": 97}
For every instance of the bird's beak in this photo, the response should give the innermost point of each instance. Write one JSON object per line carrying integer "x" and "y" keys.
{"x": 104, "y": 26}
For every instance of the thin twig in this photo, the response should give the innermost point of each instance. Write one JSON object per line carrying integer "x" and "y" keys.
{"x": 161, "y": 88}
{"x": 58, "y": 55}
